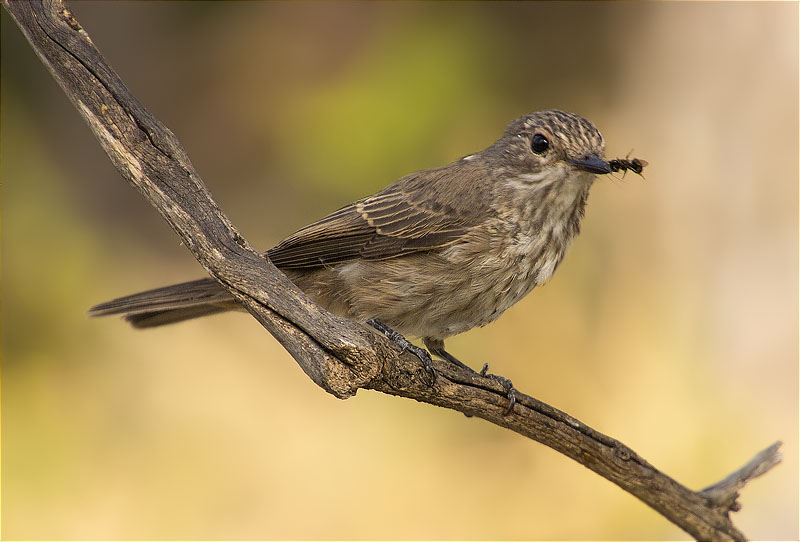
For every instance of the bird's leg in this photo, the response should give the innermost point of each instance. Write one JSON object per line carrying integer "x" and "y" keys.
{"x": 405, "y": 344}
{"x": 436, "y": 347}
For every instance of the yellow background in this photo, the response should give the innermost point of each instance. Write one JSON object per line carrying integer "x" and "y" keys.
{"x": 672, "y": 325}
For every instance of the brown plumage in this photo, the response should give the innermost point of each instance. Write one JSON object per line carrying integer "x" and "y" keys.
{"x": 437, "y": 252}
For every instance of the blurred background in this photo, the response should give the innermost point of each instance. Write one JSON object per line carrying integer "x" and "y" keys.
{"x": 672, "y": 325}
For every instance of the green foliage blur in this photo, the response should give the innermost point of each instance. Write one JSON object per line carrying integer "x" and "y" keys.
{"x": 672, "y": 324}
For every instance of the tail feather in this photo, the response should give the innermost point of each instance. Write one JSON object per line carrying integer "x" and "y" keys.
{"x": 169, "y": 304}
{"x": 171, "y": 316}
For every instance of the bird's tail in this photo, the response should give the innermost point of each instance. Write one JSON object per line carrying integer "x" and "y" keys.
{"x": 170, "y": 303}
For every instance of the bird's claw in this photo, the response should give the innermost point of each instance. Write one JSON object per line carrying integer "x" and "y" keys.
{"x": 511, "y": 393}
{"x": 405, "y": 345}
{"x": 424, "y": 357}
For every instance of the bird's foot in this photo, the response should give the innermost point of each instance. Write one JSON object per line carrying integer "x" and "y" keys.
{"x": 404, "y": 345}
{"x": 511, "y": 393}
{"x": 436, "y": 347}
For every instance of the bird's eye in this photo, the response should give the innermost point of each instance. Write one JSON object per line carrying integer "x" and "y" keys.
{"x": 539, "y": 144}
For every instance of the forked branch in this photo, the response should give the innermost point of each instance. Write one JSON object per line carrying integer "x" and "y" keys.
{"x": 337, "y": 354}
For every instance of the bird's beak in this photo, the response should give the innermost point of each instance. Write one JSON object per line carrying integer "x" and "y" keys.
{"x": 592, "y": 164}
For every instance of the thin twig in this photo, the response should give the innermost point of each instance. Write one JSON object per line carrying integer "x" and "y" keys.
{"x": 725, "y": 492}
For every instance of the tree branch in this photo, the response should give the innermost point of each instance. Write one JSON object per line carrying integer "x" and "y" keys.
{"x": 337, "y": 354}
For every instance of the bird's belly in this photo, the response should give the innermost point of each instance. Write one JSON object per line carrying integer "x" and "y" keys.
{"x": 423, "y": 295}
{"x": 497, "y": 279}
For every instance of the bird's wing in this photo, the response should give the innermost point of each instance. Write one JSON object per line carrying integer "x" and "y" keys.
{"x": 386, "y": 225}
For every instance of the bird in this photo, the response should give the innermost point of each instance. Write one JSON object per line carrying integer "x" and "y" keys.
{"x": 436, "y": 253}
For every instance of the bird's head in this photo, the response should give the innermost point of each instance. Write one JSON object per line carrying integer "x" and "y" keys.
{"x": 549, "y": 147}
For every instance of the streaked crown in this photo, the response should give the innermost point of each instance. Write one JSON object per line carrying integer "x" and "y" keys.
{"x": 534, "y": 141}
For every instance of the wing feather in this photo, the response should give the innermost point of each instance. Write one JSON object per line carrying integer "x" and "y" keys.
{"x": 383, "y": 226}
{"x": 418, "y": 213}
